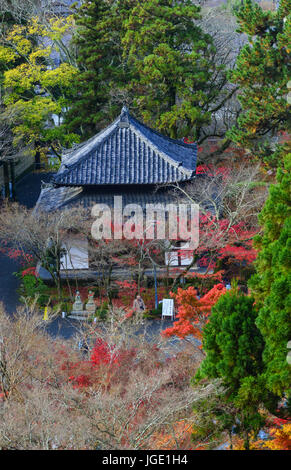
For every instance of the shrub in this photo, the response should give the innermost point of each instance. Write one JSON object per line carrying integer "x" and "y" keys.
{"x": 155, "y": 312}
{"x": 102, "y": 311}
{"x": 33, "y": 287}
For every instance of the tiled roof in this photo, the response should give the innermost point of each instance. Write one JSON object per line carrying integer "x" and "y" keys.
{"x": 88, "y": 198}
{"x": 52, "y": 198}
{"x": 127, "y": 152}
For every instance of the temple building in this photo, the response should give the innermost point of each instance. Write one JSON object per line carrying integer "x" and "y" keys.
{"x": 126, "y": 159}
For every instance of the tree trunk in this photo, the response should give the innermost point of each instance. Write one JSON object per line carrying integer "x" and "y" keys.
{"x": 247, "y": 441}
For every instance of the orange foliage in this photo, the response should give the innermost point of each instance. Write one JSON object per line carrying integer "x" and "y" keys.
{"x": 281, "y": 438}
{"x": 178, "y": 438}
{"x": 193, "y": 312}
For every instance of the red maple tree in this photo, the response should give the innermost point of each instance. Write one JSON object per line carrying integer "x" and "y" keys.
{"x": 193, "y": 312}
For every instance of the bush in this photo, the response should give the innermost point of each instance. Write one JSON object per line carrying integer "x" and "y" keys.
{"x": 32, "y": 286}
{"x": 102, "y": 311}
{"x": 155, "y": 312}
{"x": 65, "y": 306}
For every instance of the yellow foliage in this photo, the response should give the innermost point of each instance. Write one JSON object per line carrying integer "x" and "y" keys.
{"x": 32, "y": 90}
{"x": 63, "y": 76}
{"x": 281, "y": 438}
{"x": 35, "y": 27}
{"x": 59, "y": 26}
{"x": 7, "y": 55}
{"x": 17, "y": 38}
{"x": 23, "y": 76}
{"x": 38, "y": 53}
{"x": 238, "y": 444}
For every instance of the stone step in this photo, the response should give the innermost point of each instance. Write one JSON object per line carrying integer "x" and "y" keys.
{"x": 78, "y": 317}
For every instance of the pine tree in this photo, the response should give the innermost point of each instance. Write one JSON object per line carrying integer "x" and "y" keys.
{"x": 234, "y": 347}
{"x": 151, "y": 55}
{"x": 262, "y": 72}
{"x": 171, "y": 56}
{"x": 232, "y": 341}
{"x": 272, "y": 282}
{"x": 102, "y": 70}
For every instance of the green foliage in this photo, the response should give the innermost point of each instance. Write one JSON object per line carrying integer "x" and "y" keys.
{"x": 232, "y": 342}
{"x": 102, "y": 312}
{"x": 32, "y": 287}
{"x": 98, "y": 39}
{"x": 262, "y": 72}
{"x": 234, "y": 347}
{"x": 155, "y": 312}
{"x": 272, "y": 281}
{"x": 151, "y": 55}
{"x": 214, "y": 409}
{"x": 171, "y": 57}
{"x": 65, "y": 306}
{"x": 231, "y": 5}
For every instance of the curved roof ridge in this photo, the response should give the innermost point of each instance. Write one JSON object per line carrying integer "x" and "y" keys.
{"x": 178, "y": 155}
{"x": 173, "y": 148}
{"x": 77, "y": 154}
{"x": 165, "y": 137}
{"x": 167, "y": 158}
{"x": 67, "y": 168}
